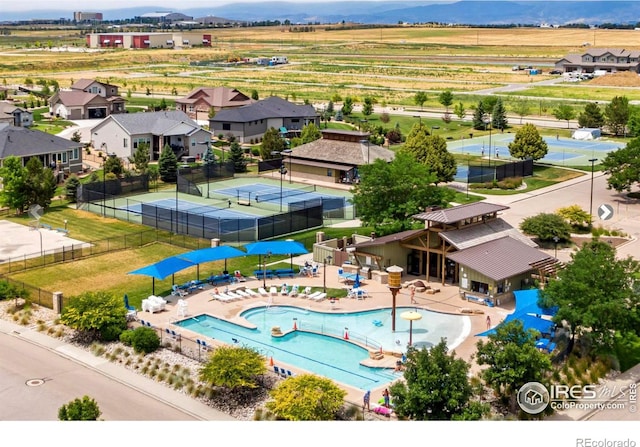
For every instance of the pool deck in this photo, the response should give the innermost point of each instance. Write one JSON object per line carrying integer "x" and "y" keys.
{"x": 447, "y": 300}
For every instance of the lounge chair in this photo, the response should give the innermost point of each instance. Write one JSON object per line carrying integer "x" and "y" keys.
{"x": 289, "y": 374}
{"x": 273, "y": 290}
{"x": 294, "y": 290}
{"x": 284, "y": 290}
{"x": 306, "y": 292}
{"x": 251, "y": 292}
{"x": 262, "y": 291}
{"x": 234, "y": 295}
{"x": 319, "y": 297}
{"x": 314, "y": 295}
{"x": 242, "y": 293}
{"x": 238, "y": 276}
{"x": 177, "y": 291}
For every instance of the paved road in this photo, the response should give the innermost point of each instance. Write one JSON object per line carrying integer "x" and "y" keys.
{"x": 626, "y": 212}
{"x": 68, "y": 372}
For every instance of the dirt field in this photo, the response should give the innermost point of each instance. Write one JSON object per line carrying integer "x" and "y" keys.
{"x": 620, "y": 79}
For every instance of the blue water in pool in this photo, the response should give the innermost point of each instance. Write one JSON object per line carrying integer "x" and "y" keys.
{"x": 328, "y": 356}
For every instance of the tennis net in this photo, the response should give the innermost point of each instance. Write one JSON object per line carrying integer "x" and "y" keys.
{"x": 285, "y": 193}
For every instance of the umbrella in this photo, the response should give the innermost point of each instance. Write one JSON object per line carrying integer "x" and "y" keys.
{"x": 411, "y": 316}
{"x": 356, "y": 282}
{"x": 162, "y": 269}
{"x": 211, "y": 254}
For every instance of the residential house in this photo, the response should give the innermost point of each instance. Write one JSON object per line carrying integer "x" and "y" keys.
{"x": 336, "y": 156}
{"x": 87, "y": 99}
{"x": 249, "y": 123}
{"x": 14, "y": 115}
{"x": 61, "y": 155}
{"x": 201, "y": 100}
{"x": 468, "y": 245}
{"x": 121, "y": 134}
{"x": 602, "y": 59}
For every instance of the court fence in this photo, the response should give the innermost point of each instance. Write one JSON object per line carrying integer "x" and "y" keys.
{"x": 106, "y": 198}
{"x": 487, "y": 172}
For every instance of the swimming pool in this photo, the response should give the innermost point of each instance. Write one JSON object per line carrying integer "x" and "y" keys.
{"x": 333, "y": 356}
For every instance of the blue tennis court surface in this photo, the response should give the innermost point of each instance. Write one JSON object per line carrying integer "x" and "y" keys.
{"x": 560, "y": 150}
{"x": 195, "y": 208}
{"x": 258, "y": 192}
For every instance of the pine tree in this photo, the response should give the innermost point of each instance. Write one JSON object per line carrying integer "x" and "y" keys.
{"x": 591, "y": 116}
{"x": 168, "y": 165}
{"x": 236, "y": 156}
{"x": 478, "y": 117}
{"x": 499, "y": 116}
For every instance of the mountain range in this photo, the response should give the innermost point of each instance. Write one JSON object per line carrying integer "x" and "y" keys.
{"x": 468, "y": 12}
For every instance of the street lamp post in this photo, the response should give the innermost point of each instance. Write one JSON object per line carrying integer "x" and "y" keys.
{"x": 419, "y": 119}
{"x": 288, "y": 152}
{"x": 434, "y": 128}
{"x": 207, "y": 163}
{"x": 592, "y": 161}
{"x": 327, "y": 260}
{"x": 555, "y": 246}
{"x": 282, "y": 171}
{"x": 487, "y": 122}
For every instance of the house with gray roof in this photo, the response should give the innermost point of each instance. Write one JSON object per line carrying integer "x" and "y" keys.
{"x": 606, "y": 59}
{"x": 468, "y": 245}
{"x": 87, "y": 99}
{"x": 14, "y": 115}
{"x": 249, "y": 123}
{"x": 59, "y": 154}
{"x": 336, "y": 157}
{"x": 121, "y": 134}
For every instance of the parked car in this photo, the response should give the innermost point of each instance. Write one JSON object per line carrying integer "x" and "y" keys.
{"x": 555, "y": 72}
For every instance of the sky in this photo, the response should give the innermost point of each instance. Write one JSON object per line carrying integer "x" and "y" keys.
{"x": 168, "y": 5}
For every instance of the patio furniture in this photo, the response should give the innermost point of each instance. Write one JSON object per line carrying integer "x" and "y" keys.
{"x": 153, "y": 304}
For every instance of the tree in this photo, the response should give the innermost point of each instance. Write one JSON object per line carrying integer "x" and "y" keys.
{"x": 271, "y": 142}
{"x": 522, "y": 108}
{"x": 616, "y": 115}
{"x": 306, "y": 397}
{"x": 431, "y": 150}
{"x": 310, "y": 133}
{"x": 154, "y": 174}
{"x": 40, "y": 184}
{"x": 634, "y": 122}
{"x": 254, "y": 95}
{"x": 367, "y": 106}
{"x": 478, "y": 117}
{"x": 596, "y": 295}
{"x": 546, "y": 226}
{"x": 212, "y": 113}
{"x": 576, "y": 216}
{"x": 564, "y": 112}
{"x": 591, "y": 116}
{"x": 168, "y": 164}
{"x": 420, "y": 98}
{"x": 347, "y": 106}
{"x": 435, "y": 386}
{"x": 99, "y": 315}
{"x": 163, "y": 104}
{"x": 389, "y": 193}
{"x": 76, "y": 137}
{"x": 446, "y": 99}
{"x": 208, "y": 160}
{"x": 85, "y": 409}
{"x": 623, "y": 166}
{"x": 233, "y": 367}
{"x": 330, "y": 108}
{"x": 236, "y": 156}
{"x": 499, "y": 115}
{"x": 459, "y": 110}
{"x": 141, "y": 157}
{"x": 14, "y": 192}
{"x": 512, "y": 359}
{"x": 71, "y": 188}
{"x": 114, "y": 166}
{"x": 528, "y": 143}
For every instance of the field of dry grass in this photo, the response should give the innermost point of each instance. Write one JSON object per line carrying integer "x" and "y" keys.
{"x": 390, "y": 64}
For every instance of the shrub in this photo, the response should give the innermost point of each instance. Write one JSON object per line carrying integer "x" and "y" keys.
{"x": 142, "y": 339}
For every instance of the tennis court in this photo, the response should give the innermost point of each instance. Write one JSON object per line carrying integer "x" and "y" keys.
{"x": 562, "y": 151}
{"x": 192, "y": 208}
{"x": 261, "y": 192}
